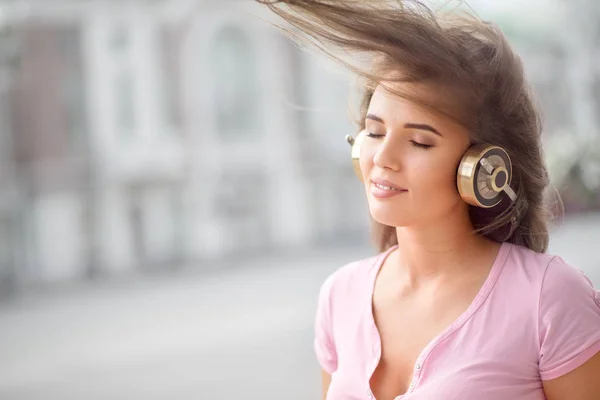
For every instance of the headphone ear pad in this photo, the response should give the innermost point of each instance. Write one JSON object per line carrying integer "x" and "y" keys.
{"x": 478, "y": 186}
{"x": 355, "y": 152}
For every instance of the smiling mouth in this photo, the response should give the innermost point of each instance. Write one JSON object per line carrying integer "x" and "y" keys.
{"x": 382, "y": 191}
{"x": 383, "y": 187}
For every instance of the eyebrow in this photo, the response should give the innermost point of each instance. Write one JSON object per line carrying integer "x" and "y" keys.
{"x": 408, "y": 125}
{"x": 424, "y": 127}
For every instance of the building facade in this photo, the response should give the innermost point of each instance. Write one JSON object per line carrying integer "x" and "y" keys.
{"x": 140, "y": 135}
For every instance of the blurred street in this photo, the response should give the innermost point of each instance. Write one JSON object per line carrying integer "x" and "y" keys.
{"x": 243, "y": 332}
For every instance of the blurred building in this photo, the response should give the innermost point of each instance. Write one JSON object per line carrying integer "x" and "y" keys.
{"x": 247, "y": 189}
{"x": 11, "y": 236}
{"x": 100, "y": 170}
{"x": 139, "y": 134}
{"x": 150, "y": 134}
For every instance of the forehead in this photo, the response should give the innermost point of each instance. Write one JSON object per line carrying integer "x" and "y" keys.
{"x": 399, "y": 100}
{"x": 398, "y": 103}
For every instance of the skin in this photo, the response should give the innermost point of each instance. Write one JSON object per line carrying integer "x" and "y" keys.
{"x": 440, "y": 264}
{"x": 431, "y": 219}
{"x": 326, "y": 381}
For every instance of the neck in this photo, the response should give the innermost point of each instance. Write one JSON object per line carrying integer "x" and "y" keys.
{"x": 438, "y": 250}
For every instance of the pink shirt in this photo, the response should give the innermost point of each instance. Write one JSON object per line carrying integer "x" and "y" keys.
{"x": 535, "y": 318}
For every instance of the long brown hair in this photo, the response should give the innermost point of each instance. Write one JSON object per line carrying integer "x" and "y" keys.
{"x": 471, "y": 63}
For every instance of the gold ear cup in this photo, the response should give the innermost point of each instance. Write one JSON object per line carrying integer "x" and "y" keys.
{"x": 355, "y": 152}
{"x": 484, "y": 172}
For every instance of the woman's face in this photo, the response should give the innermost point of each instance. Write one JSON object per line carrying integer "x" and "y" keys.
{"x": 414, "y": 151}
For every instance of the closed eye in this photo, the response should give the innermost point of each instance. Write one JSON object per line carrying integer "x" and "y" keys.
{"x": 420, "y": 145}
{"x": 412, "y": 142}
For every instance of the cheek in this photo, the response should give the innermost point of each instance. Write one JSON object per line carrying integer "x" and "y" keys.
{"x": 366, "y": 161}
{"x": 437, "y": 176}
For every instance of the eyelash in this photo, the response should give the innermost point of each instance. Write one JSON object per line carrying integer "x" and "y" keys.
{"x": 420, "y": 145}
{"x": 412, "y": 142}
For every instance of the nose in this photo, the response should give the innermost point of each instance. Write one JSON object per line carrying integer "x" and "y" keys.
{"x": 388, "y": 155}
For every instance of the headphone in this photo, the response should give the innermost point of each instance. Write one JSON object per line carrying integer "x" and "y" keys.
{"x": 484, "y": 172}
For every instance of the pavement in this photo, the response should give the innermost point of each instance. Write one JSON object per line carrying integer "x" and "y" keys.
{"x": 243, "y": 332}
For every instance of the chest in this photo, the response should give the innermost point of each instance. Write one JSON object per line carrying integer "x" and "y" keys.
{"x": 407, "y": 328}
{"x": 448, "y": 354}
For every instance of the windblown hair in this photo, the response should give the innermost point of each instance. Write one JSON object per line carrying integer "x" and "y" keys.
{"x": 469, "y": 62}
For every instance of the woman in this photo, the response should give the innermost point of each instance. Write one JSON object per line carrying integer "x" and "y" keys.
{"x": 462, "y": 302}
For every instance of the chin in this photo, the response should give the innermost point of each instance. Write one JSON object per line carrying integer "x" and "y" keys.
{"x": 386, "y": 217}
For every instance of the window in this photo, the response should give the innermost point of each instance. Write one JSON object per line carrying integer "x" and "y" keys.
{"x": 5, "y": 248}
{"x": 119, "y": 45}
{"x": 171, "y": 78}
{"x": 247, "y": 220}
{"x": 119, "y": 39}
{"x": 125, "y": 105}
{"x": 72, "y": 91}
{"x": 5, "y": 133}
{"x": 236, "y": 89}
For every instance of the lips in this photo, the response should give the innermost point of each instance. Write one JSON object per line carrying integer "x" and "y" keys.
{"x": 383, "y": 189}
{"x": 387, "y": 185}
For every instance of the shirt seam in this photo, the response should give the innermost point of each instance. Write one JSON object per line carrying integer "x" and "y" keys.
{"x": 539, "y": 308}
{"x": 328, "y": 313}
{"x": 457, "y": 325}
{"x": 586, "y": 354}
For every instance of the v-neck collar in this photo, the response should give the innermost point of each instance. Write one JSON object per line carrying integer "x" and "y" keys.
{"x": 482, "y": 294}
